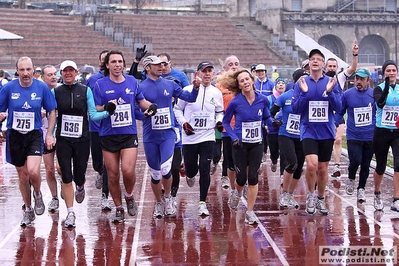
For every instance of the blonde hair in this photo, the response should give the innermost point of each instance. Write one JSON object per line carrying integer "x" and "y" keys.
{"x": 229, "y": 81}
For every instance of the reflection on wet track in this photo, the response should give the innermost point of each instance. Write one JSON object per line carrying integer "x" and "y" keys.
{"x": 284, "y": 237}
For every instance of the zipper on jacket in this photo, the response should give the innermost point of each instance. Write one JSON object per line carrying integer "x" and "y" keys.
{"x": 203, "y": 99}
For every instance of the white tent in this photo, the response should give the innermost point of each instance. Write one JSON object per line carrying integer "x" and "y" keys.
{"x": 307, "y": 44}
{"x": 9, "y": 36}
{"x": 6, "y": 35}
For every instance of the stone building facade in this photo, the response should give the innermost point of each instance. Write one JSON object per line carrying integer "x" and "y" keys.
{"x": 332, "y": 23}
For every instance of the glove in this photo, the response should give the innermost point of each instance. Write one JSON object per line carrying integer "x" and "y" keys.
{"x": 152, "y": 110}
{"x": 330, "y": 74}
{"x": 110, "y": 107}
{"x": 140, "y": 53}
{"x": 188, "y": 129}
{"x": 277, "y": 123}
{"x": 219, "y": 126}
{"x": 386, "y": 88}
{"x": 237, "y": 143}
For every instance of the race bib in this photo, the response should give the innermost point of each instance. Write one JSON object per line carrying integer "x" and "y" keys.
{"x": 23, "y": 122}
{"x": 161, "y": 120}
{"x": 363, "y": 116}
{"x": 122, "y": 116}
{"x": 251, "y": 132}
{"x": 71, "y": 126}
{"x": 201, "y": 120}
{"x": 389, "y": 115}
{"x": 293, "y": 124}
{"x": 318, "y": 111}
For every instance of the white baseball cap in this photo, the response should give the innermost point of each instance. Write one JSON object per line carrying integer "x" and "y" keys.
{"x": 68, "y": 63}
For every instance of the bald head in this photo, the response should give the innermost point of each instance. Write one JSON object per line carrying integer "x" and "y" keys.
{"x": 24, "y": 67}
{"x": 231, "y": 63}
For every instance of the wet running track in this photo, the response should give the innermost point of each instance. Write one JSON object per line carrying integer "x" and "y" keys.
{"x": 284, "y": 237}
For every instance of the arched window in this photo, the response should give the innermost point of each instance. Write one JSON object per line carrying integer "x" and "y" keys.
{"x": 334, "y": 44}
{"x": 373, "y": 49}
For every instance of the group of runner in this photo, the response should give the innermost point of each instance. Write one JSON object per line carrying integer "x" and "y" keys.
{"x": 180, "y": 121}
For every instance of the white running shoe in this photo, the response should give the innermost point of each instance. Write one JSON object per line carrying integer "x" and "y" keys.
{"x": 395, "y": 206}
{"x": 105, "y": 204}
{"x": 39, "y": 204}
{"x": 250, "y": 218}
{"x": 225, "y": 182}
{"x": 361, "y": 195}
{"x": 284, "y": 199}
{"x": 70, "y": 220}
{"x": 234, "y": 199}
{"x": 321, "y": 206}
{"x": 350, "y": 186}
{"x": 159, "y": 210}
{"x": 202, "y": 209}
{"x": 311, "y": 203}
{"x": 170, "y": 209}
{"x": 378, "y": 203}
{"x": 29, "y": 217}
{"x": 53, "y": 205}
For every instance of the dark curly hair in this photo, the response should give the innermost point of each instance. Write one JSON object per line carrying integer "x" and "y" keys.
{"x": 103, "y": 66}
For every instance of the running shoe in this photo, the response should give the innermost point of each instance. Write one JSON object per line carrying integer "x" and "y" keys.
{"x": 105, "y": 204}
{"x": 213, "y": 168}
{"x": 159, "y": 210}
{"x": 361, "y": 195}
{"x": 99, "y": 181}
{"x": 378, "y": 203}
{"x": 39, "y": 204}
{"x": 311, "y": 203}
{"x": 292, "y": 202}
{"x": 234, "y": 199}
{"x": 131, "y": 205}
{"x": 250, "y": 218}
{"x": 170, "y": 209}
{"x": 245, "y": 191}
{"x": 350, "y": 186}
{"x": 29, "y": 217}
{"x": 70, "y": 220}
{"x": 273, "y": 167}
{"x": 336, "y": 171}
{"x": 395, "y": 206}
{"x": 225, "y": 182}
{"x": 119, "y": 216}
{"x": 53, "y": 205}
{"x": 202, "y": 209}
{"x": 174, "y": 200}
{"x": 284, "y": 199}
{"x": 80, "y": 194}
{"x": 190, "y": 181}
{"x": 321, "y": 206}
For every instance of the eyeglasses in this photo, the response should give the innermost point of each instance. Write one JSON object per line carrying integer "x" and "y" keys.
{"x": 165, "y": 63}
